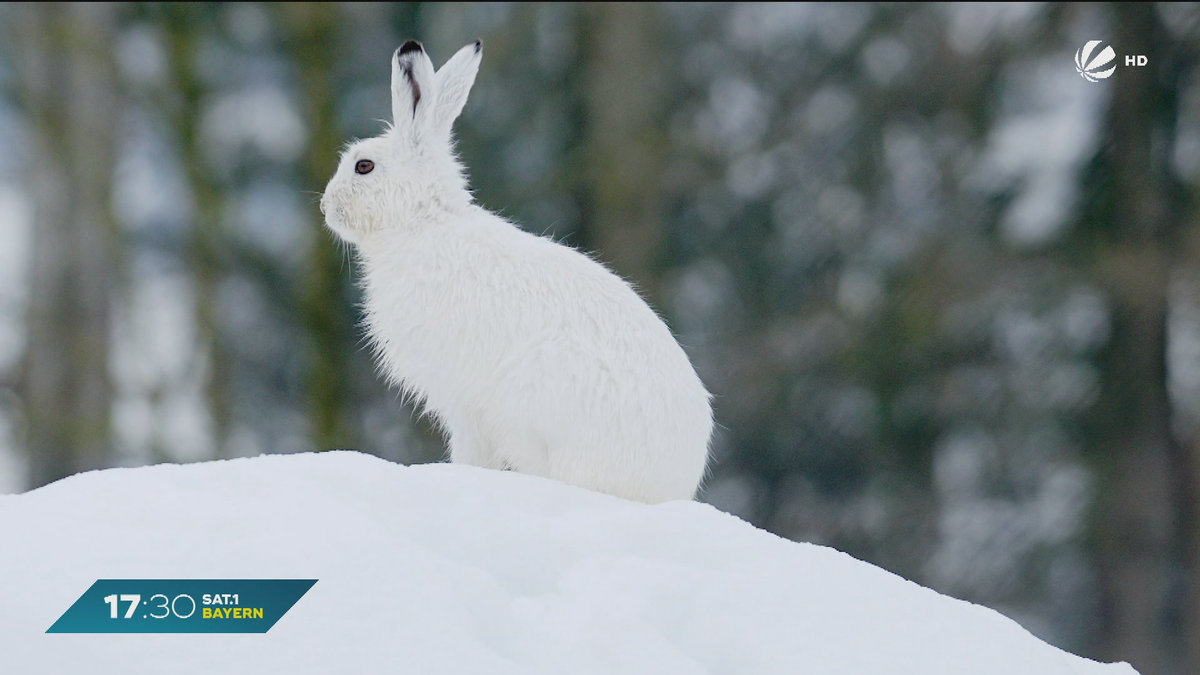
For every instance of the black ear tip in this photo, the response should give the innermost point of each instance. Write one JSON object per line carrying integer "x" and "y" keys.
{"x": 478, "y": 46}
{"x": 410, "y": 46}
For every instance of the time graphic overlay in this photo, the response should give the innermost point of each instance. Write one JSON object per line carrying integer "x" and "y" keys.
{"x": 181, "y": 605}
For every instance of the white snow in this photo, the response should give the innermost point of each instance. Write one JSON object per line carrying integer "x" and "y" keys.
{"x": 453, "y": 569}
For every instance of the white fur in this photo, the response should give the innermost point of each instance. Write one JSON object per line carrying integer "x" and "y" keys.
{"x": 530, "y": 354}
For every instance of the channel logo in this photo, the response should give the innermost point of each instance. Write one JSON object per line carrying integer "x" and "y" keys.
{"x": 1089, "y": 66}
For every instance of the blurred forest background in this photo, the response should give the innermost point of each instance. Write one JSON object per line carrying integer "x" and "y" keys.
{"x": 946, "y": 291}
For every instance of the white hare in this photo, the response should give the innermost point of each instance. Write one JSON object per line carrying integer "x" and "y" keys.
{"x": 531, "y": 355}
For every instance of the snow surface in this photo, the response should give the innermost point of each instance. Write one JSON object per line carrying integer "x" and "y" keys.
{"x": 453, "y": 569}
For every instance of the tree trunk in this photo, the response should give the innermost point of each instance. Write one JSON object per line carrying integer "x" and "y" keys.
{"x": 65, "y": 80}
{"x": 184, "y": 24}
{"x": 1135, "y": 521}
{"x": 1186, "y": 481}
{"x": 312, "y": 31}
{"x": 622, "y": 109}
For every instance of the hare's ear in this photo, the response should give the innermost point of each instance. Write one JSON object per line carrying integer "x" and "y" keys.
{"x": 454, "y": 81}
{"x": 414, "y": 89}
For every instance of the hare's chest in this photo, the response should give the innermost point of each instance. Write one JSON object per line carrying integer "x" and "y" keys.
{"x": 436, "y": 326}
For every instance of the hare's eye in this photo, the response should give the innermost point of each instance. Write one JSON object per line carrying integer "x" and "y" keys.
{"x": 364, "y": 167}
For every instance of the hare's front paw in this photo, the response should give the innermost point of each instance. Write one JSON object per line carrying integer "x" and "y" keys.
{"x": 467, "y": 447}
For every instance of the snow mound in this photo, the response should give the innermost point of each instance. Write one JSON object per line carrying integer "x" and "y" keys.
{"x": 452, "y": 569}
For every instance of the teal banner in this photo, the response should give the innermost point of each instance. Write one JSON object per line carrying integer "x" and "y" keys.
{"x": 181, "y": 606}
